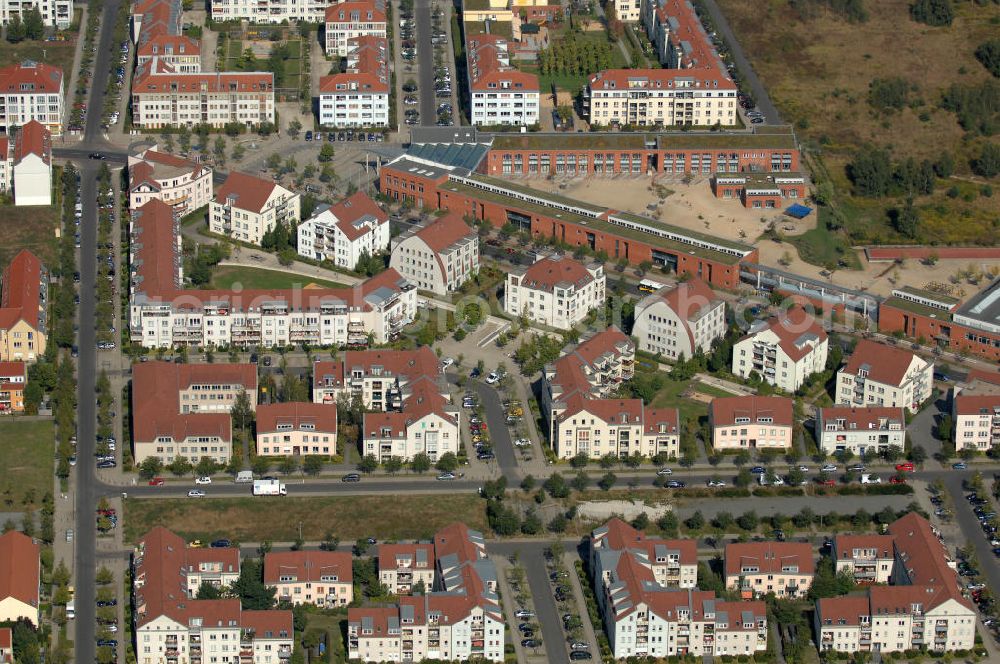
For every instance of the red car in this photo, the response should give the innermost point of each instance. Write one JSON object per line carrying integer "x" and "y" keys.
{"x": 897, "y": 480}
{"x": 904, "y": 467}
{"x": 828, "y": 482}
{"x": 156, "y": 481}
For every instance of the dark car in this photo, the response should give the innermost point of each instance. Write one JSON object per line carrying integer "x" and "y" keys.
{"x": 97, "y": 155}
{"x": 580, "y": 654}
{"x": 253, "y": 358}
{"x": 221, "y": 544}
{"x": 106, "y": 464}
{"x": 486, "y": 456}
{"x": 107, "y": 602}
{"x": 309, "y": 135}
{"x": 111, "y": 643}
{"x": 758, "y": 470}
{"x": 351, "y": 477}
{"x": 529, "y": 643}
{"x": 674, "y": 484}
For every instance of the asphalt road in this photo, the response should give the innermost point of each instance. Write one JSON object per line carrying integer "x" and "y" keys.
{"x": 86, "y": 483}
{"x": 496, "y": 421}
{"x": 971, "y": 530}
{"x": 425, "y": 61}
{"x": 750, "y": 80}
{"x": 532, "y": 556}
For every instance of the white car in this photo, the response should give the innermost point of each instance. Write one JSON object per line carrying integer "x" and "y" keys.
{"x": 196, "y": 493}
{"x": 829, "y": 468}
{"x": 716, "y": 483}
{"x": 447, "y": 362}
{"x": 522, "y": 442}
{"x": 203, "y": 480}
{"x": 492, "y": 378}
{"x": 665, "y": 471}
{"x": 446, "y": 476}
{"x": 804, "y": 469}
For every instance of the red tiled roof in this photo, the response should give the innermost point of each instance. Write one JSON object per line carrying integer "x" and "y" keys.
{"x": 977, "y": 405}
{"x": 248, "y": 192}
{"x": 688, "y": 298}
{"x": 366, "y": 69}
{"x": 147, "y": 82}
{"x": 992, "y": 377}
{"x": 922, "y": 553}
{"x": 30, "y": 78}
{"x": 794, "y": 329}
{"x": 454, "y": 539}
{"x": 6, "y": 641}
{"x": 154, "y": 248}
{"x": 351, "y": 210}
{"x": 547, "y": 273}
{"x": 156, "y": 404}
{"x": 769, "y": 557}
{"x": 669, "y": 417}
{"x": 707, "y": 78}
{"x": 323, "y": 417}
{"x": 368, "y": 12}
{"x": 307, "y": 566}
{"x": 621, "y": 536}
{"x": 862, "y": 418}
{"x": 166, "y": 45}
{"x": 33, "y": 138}
{"x": 390, "y": 555}
{"x": 144, "y": 171}
{"x": 885, "y": 364}
{"x": 270, "y": 624}
{"x": 19, "y": 568}
{"x": 19, "y": 299}
{"x": 844, "y": 611}
{"x": 611, "y": 411}
{"x": 13, "y": 370}
{"x": 489, "y": 66}
{"x": 724, "y": 410}
{"x": 444, "y": 231}
{"x": 844, "y": 545}
{"x": 569, "y": 370}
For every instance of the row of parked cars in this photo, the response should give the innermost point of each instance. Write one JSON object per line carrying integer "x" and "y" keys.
{"x": 341, "y": 136}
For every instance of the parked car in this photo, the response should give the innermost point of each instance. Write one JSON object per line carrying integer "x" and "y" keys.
{"x": 351, "y": 477}
{"x": 156, "y": 481}
{"x": 196, "y": 493}
{"x": 203, "y": 480}
{"x": 447, "y": 476}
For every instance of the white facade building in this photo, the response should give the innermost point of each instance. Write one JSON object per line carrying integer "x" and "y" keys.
{"x": 181, "y": 183}
{"x": 57, "y": 13}
{"x": 213, "y": 98}
{"x": 296, "y": 429}
{"x": 860, "y": 429}
{"x": 558, "y": 292}
{"x": 31, "y": 91}
{"x": 31, "y": 175}
{"x": 881, "y": 375}
{"x": 751, "y": 422}
{"x": 438, "y": 256}
{"x": 500, "y": 94}
{"x": 246, "y": 207}
{"x": 647, "y": 97}
{"x": 681, "y": 321}
{"x": 977, "y": 422}
{"x": 342, "y": 233}
{"x": 350, "y": 19}
{"x": 358, "y": 96}
{"x": 270, "y": 11}
{"x": 784, "y": 350}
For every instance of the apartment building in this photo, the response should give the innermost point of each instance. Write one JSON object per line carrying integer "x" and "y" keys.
{"x": 661, "y": 97}
{"x": 296, "y": 429}
{"x": 163, "y": 314}
{"x": 678, "y": 38}
{"x": 13, "y": 379}
{"x": 407, "y": 569}
{"x": 499, "y": 93}
{"x": 172, "y": 625}
{"x": 57, "y": 13}
{"x": 628, "y": 11}
{"x": 783, "y": 350}
{"x": 860, "y": 429}
{"x": 321, "y": 578}
{"x": 924, "y": 608}
{"x": 183, "y": 184}
{"x": 751, "y": 422}
{"x": 20, "y": 578}
{"x": 359, "y": 95}
{"x": 977, "y": 422}
{"x": 681, "y": 321}
{"x": 23, "y": 317}
{"x": 460, "y": 619}
{"x": 350, "y": 19}
{"x": 583, "y": 416}
{"x": 176, "y": 53}
{"x": 869, "y": 559}
{"x": 31, "y": 174}
{"x": 6, "y": 645}
{"x": 214, "y": 98}
{"x": 557, "y": 291}
{"x": 31, "y": 91}
{"x": 644, "y": 617}
{"x": 881, "y": 375}
{"x": 345, "y": 232}
{"x": 758, "y": 568}
{"x": 438, "y": 256}
{"x": 246, "y": 208}
{"x": 6, "y": 165}
{"x": 674, "y": 563}
{"x": 270, "y": 11}
{"x": 183, "y": 409}
{"x": 760, "y": 191}
{"x": 412, "y": 413}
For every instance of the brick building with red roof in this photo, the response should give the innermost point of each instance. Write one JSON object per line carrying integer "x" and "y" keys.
{"x": 438, "y": 256}
{"x": 246, "y": 208}
{"x": 868, "y": 558}
{"x": 321, "y": 578}
{"x": 23, "y": 317}
{"x": 213, "y": 98}
{"x": 31, "y": 165}
{"x": 19, "y": 578}
{"x": 181, "y": 183}
{"x": 500, "y": 94}
{"x": 783, "y": 350}
{"x": 680, "y": 321}
{"x": 402, "y": 567}
{"x": 758, "y": 568}
{"x": 350, "y": 19}
{"x": 977, "y": 421}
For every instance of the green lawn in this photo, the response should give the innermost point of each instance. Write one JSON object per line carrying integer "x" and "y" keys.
{"x": 57, "y": 54}
{"x": 31, "y": 228}
{"x": 277, "y": 519}
{"x": 27, "y": 460}
{"x": 226, "y": 276}
{"x": 821, "y": 246}
{"x": 335, "y": 626}
{"x": 672, "y": 395}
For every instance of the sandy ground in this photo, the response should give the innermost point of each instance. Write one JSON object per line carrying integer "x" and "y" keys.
{"x": 693, "y": 206}
{"x": 623, "y": 508}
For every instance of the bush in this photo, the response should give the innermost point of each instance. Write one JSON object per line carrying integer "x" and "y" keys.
{"x": 932, "y": 12}
{"x": 988, "y": 54}
{"x": 888, "y": 93}
{"x": 988, "y": 163}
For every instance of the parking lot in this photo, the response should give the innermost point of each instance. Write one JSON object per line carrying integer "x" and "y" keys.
{"x": 428, "y": 99}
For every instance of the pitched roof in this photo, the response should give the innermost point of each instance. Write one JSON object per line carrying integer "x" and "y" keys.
{"x": 166, "y": 45}
{"x": 151, "y": 167}
{"x": 707, "y": 78}
{"x": 769, "y": 557}
{"x": 668, "y": 417}
{"x": 844, "y": 611}
{"x": 725, "y": 410}
{"x": 368, "y": 11}
{"x": 490, "y": 69}
{"x": 418, "y": 556}
{"x": 617, "y": 535}
{"x": 33, "y": 138}
{"x": 269, "y": 624}
{"x": 246, "y": 191}
{"x": 921, "y": 552}
{"x": 279, "y": 416}
{"x": 20, "y": 298}
{"x": 30, "y": 77}
{"x": 358, "y": 214}
{"x": 869, "y": 417}
{"x": 884, "y": 364}
{"x": 554, "y": 271}
{"x": 443, "y": 232}
{"x": 148, "y": 82}
{"x": 308, "y": 567}
{"x": 977, "y": 405}
{"x": 689, "y": 300}
{"x": 797, "y": 332}
{"x": 19, "y": 568}
{"x": 845, "y": 545}
{"x": 366, "y": 68}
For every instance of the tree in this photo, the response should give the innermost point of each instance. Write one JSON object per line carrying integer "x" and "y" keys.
{"x": 206, "y": 467}
{"x": 393, "y": 465}
{"x": 988, "y": 53}
{"x": 180, "y": 466}
{"x": 34, "y": 25}
{"x": 748, "y": 520}
{"x": 294, "y": 127}
{"x": 150, "y": 468}
{"x": 742, "y": 458}
{"x": 932, "y": 12}
{"x": 421, "y": 463}
{"x": 556, "y": 486}
{"x": 580, "y": 481}
{"x": 918, "y": 454}
{"x": 209, "y": 591}
{"x": 326, "y": 152}
{"x": 744, "y": 478}
{"x": 250, "y": 588}
{"x": 368, "y": 464}
{"x": 695, "y": 522}
{"x": 288, "y": 465}
{"x": 260, "y": 465}
{"x": 528, "y": 483}
{"x": 532, "y": 524}
{"x": 103, "y": 576}
{"x": 558, "y": 523}
{"x": 312, "y": 464}
{"x": 607, "y": 481}
{"x": 448, "y": 463}
{"x": 16, "y": 31}
{"x": 668, "y": 524}
{"x": 906, "y": 221}
{"x": 988, "y": 163}
{"x": 870, "y": 172}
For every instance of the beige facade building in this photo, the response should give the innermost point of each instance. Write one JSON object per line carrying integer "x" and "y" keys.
{"x": 673, "y": 563}
{"x": 880, "y": 375}
{"x": 213, "y": 98}
{"x": 758, "y": 568}
{"x": 860, "y": 430}
{"x": 751, "y": 422}
{"x": 245, "y": 208}
{"x": 404, "y": 568}
{"x": 661, "y": 97}
{"x": 321, "y": 578}
{"x": 438, "y": 256}
{"x": 295, "y": 429}
{"x": 23, "y": 309}
{"x": 784, "y": 350}
{"x": 867, "y": 558}
{"x": 977, "y": 422}
{"x": 680, "y": 321}
{"x": 344, "y": 232}
{"x": 558, "y": 292}
{"x": 20, "y": 578}
{"x": 181, "y": 183}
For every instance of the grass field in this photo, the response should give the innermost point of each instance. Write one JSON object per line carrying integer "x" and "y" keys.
{"x": 335, "y": 627}
{"x": 348, "y": 517}
{"x": 26, "y": 463}
{"x": 671, "y": 395}
{"x": 820, "y": 246}
{"x": 28, "y": 227}
{"x": 57, "y": 54}
{"x": 818, "y": 70}
{"x": 226, "y": 276}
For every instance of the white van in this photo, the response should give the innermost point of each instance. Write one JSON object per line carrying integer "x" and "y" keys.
{"x": 870, "y": 479}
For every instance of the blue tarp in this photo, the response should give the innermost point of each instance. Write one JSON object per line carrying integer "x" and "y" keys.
{"x": 798, "y": 211}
